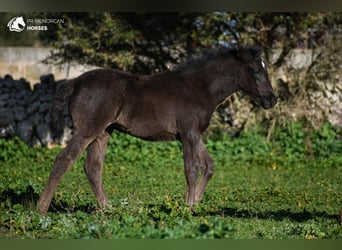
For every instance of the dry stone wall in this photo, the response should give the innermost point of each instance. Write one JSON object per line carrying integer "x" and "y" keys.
{"x": 24, "y": 112}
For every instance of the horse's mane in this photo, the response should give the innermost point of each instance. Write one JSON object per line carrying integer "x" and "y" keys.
{"x": 196, "y": 60}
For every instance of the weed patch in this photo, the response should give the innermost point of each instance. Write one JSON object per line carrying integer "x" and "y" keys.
{"x": 285, "y": 188}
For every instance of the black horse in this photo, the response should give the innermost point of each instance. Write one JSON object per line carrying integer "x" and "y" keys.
{"x": 171, "y": 105}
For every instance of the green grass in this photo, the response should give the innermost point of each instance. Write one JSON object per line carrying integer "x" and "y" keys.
{"x": 287, "y": 188}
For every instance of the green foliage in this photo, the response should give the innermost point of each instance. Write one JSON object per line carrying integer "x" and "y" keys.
{"x": 134, "y": 42}
{"x": 327, "y": 141}
{"x": 17, "y": 159}
{"x": 281, "y": 189}
{"x": 291, "y": 141}
{"x": 150, "y": 42}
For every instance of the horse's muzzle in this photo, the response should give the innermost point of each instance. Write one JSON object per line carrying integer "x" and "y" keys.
{"x": 268, "y": 101}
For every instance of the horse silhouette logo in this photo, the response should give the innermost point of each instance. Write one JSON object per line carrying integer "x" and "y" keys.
{"x": 16, "y": 24}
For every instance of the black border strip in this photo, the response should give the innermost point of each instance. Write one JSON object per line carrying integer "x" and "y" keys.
{"x": 171, "y": 244}
{"x": 175, "y": 5}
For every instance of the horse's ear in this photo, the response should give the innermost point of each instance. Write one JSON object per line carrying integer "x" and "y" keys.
{"x": 247, "y": 54}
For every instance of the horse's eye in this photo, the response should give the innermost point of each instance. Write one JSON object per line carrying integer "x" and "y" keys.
{"x": 263, "y": 64}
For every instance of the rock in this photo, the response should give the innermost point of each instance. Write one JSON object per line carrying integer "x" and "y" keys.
{"x": 47, "y": 118}
{"x": 26, "y": 100}
{"x": 35, "y": 142}
{"x": 35, "y": 118}
{"x": 6, "y": 117}
{"x": 34, "y": 107}
{"x": 22, "y": 84}
{"x": 8, "y": 131}
{"x": 34, "y": 96}
{"x": 4, "y": 97}
{"x": 11, "y": 129}
{"x": 67, "y": 134}
{"x": 3, "y": 133}
{"x": 23, "y": 93}
{"x": 66, "y": 110}
{"x": 46, "y": 98}
{"x": 43, "y": 133}
{"x": 44, "y": 107}
{"x": 20, "y": 114}
{"x": 11, "y": 102}
{"x": 25, "y": 131}
{"x": 68, "y": 121}
{"x": 8, "y": 81}
{"x": 47, "y": 79}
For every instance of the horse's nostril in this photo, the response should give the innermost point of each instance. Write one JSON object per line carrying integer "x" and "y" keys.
{"x": 268, "y": 101}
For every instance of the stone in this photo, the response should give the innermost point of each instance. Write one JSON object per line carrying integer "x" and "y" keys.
{"x": 26, "y": 100}
{"x": 11, "y": 102}
{"x": 21, "y": 84}
{"x": 11, "y": 129}
{"x": 5, "y": 90}
{"x": 34, "y": 96}
{"x": 34, "y": 107}
{"x": 23, "y": 93}
{"x": 68, "y": 121}
{"x": 35, "y": 142}
{"x": 5, "y": 97}
{"x": 35, "y": 118}
{"x": 7, "y": 81}
{"x": 67, "y": 135}
{"x": 6, "y": 117}
{"x": 20, "y": 114}
{"x": 25, "y": 131}
{"x": 66, "y": 110}
{"x": 46, "y": 98}
{"x": 47, "y": 79}
{"x": 44, "y": 107}
{"x": 37, "y": 87}
{"x": 47, "y": 118}
{"x": 43, "y": 133}
{"x": 8, "y": 131}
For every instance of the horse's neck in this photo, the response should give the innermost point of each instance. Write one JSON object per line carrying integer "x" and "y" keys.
{"x": 218, "y": 85}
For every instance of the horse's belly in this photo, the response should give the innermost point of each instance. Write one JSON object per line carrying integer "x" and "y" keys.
{"x": 151, "y": 131}
{"x": 161, "y": 136}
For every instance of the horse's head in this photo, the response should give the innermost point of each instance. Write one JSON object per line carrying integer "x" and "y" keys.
{"x": 253, "y": 77}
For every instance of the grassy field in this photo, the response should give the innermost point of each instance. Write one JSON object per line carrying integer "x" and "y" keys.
{"x": 287, "y": 188}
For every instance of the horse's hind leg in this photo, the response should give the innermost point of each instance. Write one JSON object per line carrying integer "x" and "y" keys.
{"x": 63, "y": 163}
{"x": 93, "y": 167}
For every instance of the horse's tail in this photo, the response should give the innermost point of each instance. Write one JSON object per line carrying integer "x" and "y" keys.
{"x": 60, "y": 102}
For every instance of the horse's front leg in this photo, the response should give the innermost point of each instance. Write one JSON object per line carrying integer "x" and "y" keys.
{"x": 207, "y": 165}
{"x": 191, "y": 150}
